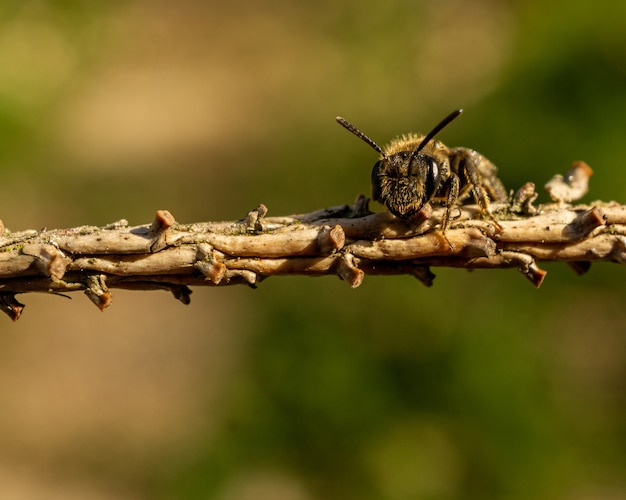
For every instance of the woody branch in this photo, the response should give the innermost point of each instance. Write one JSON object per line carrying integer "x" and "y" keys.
{"x": 347, "y": 241}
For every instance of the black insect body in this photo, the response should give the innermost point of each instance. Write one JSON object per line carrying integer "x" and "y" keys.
{"x": 415, "y": 169}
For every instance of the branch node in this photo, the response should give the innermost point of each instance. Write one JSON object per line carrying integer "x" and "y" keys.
{"x": 159, "y": 230}
{"x": 49, "y": 259}
{"x": 470, "y": 243}
{"x": 254, "y": 220}
{"x": 10, "y": 306}
{"x": 208, "y": 264}
{"x": 98, "y": 292}
{"x": 585, "y": 223}
{"x": 534, "y": 274}
{"x": 331, "y": 239}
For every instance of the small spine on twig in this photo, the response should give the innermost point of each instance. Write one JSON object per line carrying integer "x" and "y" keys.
{"x": 163, "y": 221}
{"x": 10, "y": 306}
{"x": 97, "y": 291}
{"x": 349, "y": 272}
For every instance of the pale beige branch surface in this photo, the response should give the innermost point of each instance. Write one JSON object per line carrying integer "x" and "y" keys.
{"x": 347, "y": 241}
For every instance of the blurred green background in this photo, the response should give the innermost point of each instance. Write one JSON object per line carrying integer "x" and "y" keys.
{"x": 481, "y": 387}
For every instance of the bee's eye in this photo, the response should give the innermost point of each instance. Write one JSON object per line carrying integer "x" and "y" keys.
{"x": 433, "y": 177}
{"x": 427, "y": 169}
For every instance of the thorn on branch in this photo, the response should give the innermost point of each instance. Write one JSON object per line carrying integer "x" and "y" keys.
{"x": 534, "y": 274}
{"x": 526, "y": 265}
{"x": 580, "y": 267}
{"x": 48, "y": 258}
{"x": 585, "y": 223}
{"x": 98, "y": 292}
{"x": 10, "y": 306}
{"x": 331, "y": 239}
{"x": 181, "y": 293}
{"x": 208, "y": 263}
{"x": 254, "y": 220}
{"x": 349, "y": 272}
{"x": 159, "y": 230}
{"x": 572, "y": 186}
{"x": 423, "y": 274}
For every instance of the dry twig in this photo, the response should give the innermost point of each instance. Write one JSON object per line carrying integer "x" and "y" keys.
{"x": 348, "y": 241}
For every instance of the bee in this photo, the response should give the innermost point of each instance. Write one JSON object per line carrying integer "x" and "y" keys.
{"x": 415, "y": 169}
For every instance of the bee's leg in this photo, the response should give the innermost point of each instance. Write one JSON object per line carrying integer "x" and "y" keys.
{"x": 450, "y": 193}
{"x": 467, "y": 163}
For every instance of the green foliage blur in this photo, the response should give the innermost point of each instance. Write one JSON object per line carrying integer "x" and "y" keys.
{"x": 479, "y": 387}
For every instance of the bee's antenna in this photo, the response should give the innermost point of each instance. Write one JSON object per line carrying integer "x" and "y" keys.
{"x": 438, "y": 128}
{"x": 347, "y": 125}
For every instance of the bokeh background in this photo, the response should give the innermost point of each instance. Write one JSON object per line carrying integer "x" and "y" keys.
{"x": 480, "y": 387}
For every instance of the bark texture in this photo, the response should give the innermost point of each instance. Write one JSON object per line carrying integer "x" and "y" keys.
{"x": 347, "y": 241}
